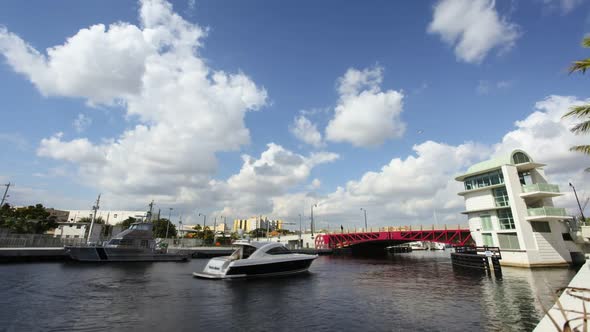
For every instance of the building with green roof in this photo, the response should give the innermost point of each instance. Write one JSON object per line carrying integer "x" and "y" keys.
{"x": 509, "y": 204}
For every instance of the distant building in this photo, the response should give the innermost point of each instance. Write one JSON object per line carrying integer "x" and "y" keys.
{"x": 252, "y": 223}
{"x": 509, "y": 205}
{"x": 109, "y": 217}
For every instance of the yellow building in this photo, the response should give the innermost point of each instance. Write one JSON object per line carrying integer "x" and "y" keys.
{"x": 252, "y": 223}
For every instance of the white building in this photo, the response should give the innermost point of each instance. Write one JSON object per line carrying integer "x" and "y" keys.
{"x": 71, "y": 230}
{"x": 509, "y": 205}
{"x": 109, "y": 217}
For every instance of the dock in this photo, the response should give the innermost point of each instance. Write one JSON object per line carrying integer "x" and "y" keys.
{"x": 572, "y": 308}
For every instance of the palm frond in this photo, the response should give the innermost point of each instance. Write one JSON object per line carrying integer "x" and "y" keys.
{"x": 586, "y": 42}
{"x": 580, "y": 65}
{"x": 581, "y": 148}
{"x": 581, "y": 128}
{"x": 578, "y": 111}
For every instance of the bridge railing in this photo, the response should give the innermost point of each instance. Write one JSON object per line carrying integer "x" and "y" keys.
{"x": 401, "y": 228}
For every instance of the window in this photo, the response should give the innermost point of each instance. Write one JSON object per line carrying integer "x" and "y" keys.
{"x": 541, "y": 227}
{"x": 79, "y": 226}
{"x": 505, "y": 219}
{"x": 115, "y": 215}
{"x": 278, "y": 251}
{"x": 126, "y": 242}
{"x": 501, "y": 196}
{"x": 76, "y": 236}
{"x": 520, "y": 158}
{"x": 566, "y": 236}
{"x": 486, "y": 222}
{"x": 247, "y": 251}
{"x": 67, "y": 236}
{"x": 508, "y": 241}
{"x": 114, "y": 242}
{"x": 525, "y": 178}
{"x": 484, "y": 180}
{"x": 144, "y": 243}
{"x": 487, "y": 239}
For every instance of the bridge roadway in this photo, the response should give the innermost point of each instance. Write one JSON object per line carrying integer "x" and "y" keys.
{"x": 459, "y": 235}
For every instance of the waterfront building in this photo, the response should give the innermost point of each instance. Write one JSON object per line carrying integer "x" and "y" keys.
{"x": 72, "y": 230}
{"x": 509, "y": 205}
{"x": 252, "y": 223}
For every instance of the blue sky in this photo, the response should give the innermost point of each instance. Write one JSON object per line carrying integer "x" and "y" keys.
{"x": 296, "y": 55}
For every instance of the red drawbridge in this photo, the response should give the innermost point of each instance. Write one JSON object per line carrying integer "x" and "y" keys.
{"x": 459, "y": 236}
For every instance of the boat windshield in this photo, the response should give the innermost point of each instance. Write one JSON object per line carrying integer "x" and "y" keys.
{"x": 242, "y": 252}
{"x": 141, "y": 227}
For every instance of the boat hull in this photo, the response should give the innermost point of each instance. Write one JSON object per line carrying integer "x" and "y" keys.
{"x": 105, "y": 254}
{"x": 242, "y": 269}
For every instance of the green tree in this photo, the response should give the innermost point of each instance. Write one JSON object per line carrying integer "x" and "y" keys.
{"x": 160, "y": 228}
{"x": 581, "y": 112}
{"x": 127, "y": 222}
{"x": 31, "y": 219}
{"x": 258, "y": 232}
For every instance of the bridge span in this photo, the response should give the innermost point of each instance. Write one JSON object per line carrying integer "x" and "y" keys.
{"x": 458, "y": 235}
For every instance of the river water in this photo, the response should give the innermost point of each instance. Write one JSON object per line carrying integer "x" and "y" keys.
{"x": 419, "y": 291}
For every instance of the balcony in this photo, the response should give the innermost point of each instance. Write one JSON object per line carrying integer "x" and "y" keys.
{"x": 546, "y": 213}
{"x": 540, "y": 190}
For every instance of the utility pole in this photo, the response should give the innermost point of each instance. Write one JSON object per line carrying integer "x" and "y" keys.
{"x": 5, "y": 194}
{"x": 267, "y": 230}
{"x": 95, "y": 209}
{"x": 312, "y": 219}
{"x": 151, "y": 205}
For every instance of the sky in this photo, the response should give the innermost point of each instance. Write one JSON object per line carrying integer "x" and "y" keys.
{"x": 243, "y": 108}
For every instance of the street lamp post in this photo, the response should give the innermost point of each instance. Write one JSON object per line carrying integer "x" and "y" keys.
{"x": 300, "y": 231}
{"x": 169, "y": 221}
{"x": 312, "y": 224}
{"x": 577, "y": 200}
{"x": 204, "y": 223}
{"x": 364, "y": 210}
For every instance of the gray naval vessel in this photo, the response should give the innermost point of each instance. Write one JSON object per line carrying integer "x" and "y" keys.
{"x": 135, "y": 244}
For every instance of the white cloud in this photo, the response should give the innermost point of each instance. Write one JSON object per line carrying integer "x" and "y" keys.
{"x": 565, "y": 6}
{"x": 473, "y": 28}
{"x": 411, "y": 190}
{"x": 316, "y": 183}
{"x": 365, "y": 116}
{"x": 485, "y": 87}
{"x": 187, "y": 111}
{"x": 82, "y": 122}
{"x": 305, "y": 131}
{"x": 277, "y": 170}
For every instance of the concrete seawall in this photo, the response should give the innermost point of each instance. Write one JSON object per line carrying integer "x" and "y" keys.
{"x": 8, "y": 255}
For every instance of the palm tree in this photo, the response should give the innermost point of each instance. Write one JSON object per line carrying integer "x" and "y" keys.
{"x": 581, "y": 112}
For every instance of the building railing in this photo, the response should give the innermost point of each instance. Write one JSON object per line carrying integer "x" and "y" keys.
{"x": 553, "y": 188}
{"x": 546, "y": 211}
{"x": 37, "y": 240}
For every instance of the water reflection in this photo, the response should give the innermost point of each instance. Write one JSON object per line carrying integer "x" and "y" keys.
{"x": 417, "y": 291}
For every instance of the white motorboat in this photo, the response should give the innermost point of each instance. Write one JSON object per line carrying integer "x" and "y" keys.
{"x": 135, "y": 244}
{"x": 256, "y": 259}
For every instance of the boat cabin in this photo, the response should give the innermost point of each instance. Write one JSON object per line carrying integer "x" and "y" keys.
{"x": 138, "y": 235}
{"x": 247, "y": 250}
